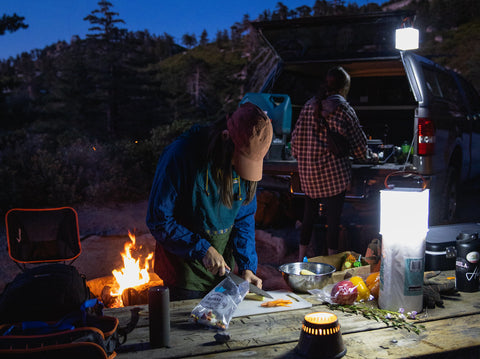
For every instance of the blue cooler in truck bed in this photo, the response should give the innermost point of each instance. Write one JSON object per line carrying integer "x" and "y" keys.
{"x": 440, "y": 253}
{"x": 277, "y": 106}
{"x": 279, "y": 109}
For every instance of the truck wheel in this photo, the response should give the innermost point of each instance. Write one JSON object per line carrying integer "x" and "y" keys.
{"x": 448, "y": 203}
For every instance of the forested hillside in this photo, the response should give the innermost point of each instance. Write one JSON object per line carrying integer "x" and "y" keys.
{"x": 85, "y": 121}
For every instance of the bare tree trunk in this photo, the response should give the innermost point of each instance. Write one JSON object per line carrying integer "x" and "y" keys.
{"x": 197, "y": 87}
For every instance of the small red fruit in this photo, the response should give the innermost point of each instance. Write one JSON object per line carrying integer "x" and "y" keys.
{"x": 344, "y": 292}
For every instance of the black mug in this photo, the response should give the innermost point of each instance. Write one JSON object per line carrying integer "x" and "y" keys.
{"x": 159, "y": 316}
{"x": 467, "y": 265}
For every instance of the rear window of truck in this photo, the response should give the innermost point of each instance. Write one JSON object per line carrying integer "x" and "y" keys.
{"x": 380, "y": 91}
{"x": 441, "y": 85}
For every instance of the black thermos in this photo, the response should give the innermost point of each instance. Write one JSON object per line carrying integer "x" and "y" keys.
{"x": 159, "y": 316}
{"x": 467, "y": 265}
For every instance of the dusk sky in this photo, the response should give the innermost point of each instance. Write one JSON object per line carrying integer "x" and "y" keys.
{"x": 53, "y": 20}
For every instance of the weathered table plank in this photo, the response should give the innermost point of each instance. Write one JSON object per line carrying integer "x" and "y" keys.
{"x": 437, "y": 340}
{"x": 451, "y": 332}
{"x": 441, "y": 338}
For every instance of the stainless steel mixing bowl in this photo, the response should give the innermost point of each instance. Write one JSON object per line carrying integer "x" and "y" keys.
{"x": 302, "y": 283}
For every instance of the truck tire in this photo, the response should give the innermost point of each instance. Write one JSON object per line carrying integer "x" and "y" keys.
{"x": 448, "y": 201}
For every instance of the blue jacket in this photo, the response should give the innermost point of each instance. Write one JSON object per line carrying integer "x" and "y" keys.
{"x": 185, "y": 207}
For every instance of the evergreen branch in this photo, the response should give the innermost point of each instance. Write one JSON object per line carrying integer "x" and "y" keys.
{"x": 397, "y": 320}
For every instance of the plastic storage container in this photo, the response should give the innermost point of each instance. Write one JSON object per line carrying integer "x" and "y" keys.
{"x": 277, "y": 106}
{"x": 440, "y": 249}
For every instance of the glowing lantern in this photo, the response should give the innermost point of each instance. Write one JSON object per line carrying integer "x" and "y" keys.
{"x": 321, "y": 337}
{"x": 406, "y": 38}
{"x": 404, "y": 227}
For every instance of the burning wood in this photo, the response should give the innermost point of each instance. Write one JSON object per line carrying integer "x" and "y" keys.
{"x": 132, "y": 274}
{"x": 128, "y": 285}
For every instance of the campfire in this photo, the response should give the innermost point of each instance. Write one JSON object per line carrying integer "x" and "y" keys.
{"x": 128, "y": 285}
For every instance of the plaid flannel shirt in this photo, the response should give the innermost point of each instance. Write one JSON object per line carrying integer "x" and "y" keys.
{"x": 322, "y": 174}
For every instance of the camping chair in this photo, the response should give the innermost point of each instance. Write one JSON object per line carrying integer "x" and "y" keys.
{"x": 50, "y": 293}
{"x": 42, "y": 235}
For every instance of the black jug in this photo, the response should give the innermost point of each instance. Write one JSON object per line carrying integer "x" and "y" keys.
{"x": 467, "y": 265}
{"x": 159, "y": 316}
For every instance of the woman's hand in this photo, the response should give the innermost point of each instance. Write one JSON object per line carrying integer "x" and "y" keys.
{"x": 214, "y": 262}
{"x": 252, "y": 278}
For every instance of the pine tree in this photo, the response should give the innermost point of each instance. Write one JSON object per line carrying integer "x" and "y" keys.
{"x": 189, "y": 40}
{"x": 304, "y": 11}
{"x": 282, "y": 12}
{"x": 11, "y": 23}
{"x": 103, "y": 21}
{"x": 320, "y": 8}
{"x": 106, "y": 59}
{"x": 203, "y": 38}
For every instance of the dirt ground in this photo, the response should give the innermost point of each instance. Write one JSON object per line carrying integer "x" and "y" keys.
{"x": 104, "y": 232}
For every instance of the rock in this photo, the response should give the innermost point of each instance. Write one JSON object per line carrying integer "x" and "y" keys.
{"x": 271, "y": 277}
{"x": 270, "y": 249}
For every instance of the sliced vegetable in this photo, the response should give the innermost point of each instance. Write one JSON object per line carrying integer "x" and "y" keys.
{"x": 277, "y": 303}
{"x": 306, "y": 272}
{"x": 255, "y": 296}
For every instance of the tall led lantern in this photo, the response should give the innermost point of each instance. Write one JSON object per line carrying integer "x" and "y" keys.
{"x": 404, "y": 227}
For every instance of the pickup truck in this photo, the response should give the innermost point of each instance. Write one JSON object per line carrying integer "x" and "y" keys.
{"x": 418, "y": 116}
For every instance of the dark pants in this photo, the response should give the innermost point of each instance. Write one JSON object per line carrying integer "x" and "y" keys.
{"x": 332, "y": 209}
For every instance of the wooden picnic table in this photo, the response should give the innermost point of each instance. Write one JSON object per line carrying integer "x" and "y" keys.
{"x": 450, "y": 332}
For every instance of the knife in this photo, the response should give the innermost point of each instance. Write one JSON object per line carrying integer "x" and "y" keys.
{"x": 252, "y": 287}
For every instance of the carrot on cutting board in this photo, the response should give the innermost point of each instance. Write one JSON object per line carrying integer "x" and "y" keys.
{"x": 277, "y": 303}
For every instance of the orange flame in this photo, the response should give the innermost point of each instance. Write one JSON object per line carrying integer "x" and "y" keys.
{"x": 132, "y": 274}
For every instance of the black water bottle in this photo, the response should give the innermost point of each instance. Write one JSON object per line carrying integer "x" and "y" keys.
{"x": 467, "y": 265}
{"x": 159, "y": 316}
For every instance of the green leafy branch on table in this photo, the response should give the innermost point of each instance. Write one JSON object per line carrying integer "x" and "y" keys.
{"x": 396, "y": 320}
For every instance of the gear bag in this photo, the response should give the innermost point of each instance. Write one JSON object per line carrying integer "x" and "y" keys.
{"x": 82, "y": 333}
{"x": 47, "y": 292}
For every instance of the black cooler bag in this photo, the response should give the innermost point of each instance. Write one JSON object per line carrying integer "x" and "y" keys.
{"x": 440, "y": 252}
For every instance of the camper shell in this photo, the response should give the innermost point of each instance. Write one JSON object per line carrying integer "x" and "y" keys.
{"x": 418, "y": 116}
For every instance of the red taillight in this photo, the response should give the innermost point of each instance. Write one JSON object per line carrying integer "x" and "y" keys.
{"x": 426, "y": 136}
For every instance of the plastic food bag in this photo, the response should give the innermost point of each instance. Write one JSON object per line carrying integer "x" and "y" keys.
{"x": 344, "y": 292}
{"x": 217, "y": 307}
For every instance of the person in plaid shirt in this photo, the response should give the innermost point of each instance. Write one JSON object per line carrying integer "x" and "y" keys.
{"x": 325, "y": 177}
